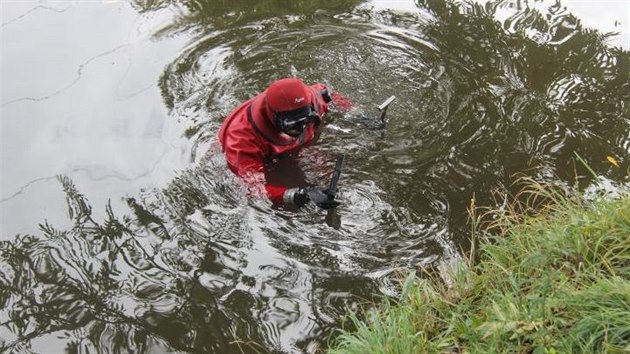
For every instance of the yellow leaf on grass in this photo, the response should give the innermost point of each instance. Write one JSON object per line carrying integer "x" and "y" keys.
{"x": 612, "y": 160}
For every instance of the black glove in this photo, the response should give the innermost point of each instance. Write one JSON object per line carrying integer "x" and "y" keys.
{"x": 300, "y": 196}
{"x": 322, "y": 198}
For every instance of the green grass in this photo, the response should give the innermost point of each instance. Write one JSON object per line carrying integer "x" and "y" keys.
{"x": 557, "y": 281}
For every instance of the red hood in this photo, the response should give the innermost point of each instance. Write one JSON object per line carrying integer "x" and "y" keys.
{"x": 287, "y": 95}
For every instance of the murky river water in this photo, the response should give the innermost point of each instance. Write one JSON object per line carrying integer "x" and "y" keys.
{"x": 123, "y": 230}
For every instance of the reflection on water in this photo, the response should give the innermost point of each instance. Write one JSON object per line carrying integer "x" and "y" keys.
{"x": 484, "y": 92}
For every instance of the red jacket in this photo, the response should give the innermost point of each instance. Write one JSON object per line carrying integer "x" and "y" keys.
{"x": 249, "y": 140}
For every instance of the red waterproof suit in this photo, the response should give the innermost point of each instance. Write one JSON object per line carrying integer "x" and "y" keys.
{"x": 249, "y": 139}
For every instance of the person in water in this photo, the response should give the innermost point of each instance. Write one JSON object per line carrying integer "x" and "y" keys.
{"x": 271, "y": 126}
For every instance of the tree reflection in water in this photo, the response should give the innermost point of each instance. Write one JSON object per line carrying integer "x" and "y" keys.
{"x": 124, "y": 284}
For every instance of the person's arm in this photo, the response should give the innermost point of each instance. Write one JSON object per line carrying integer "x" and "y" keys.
{"x": 328, "y": 96}
{"x": 248, "y": 163}
{"x": 250, "y": 168}
{"x": 340, "y": 101}
{"x": 253, "y": 174}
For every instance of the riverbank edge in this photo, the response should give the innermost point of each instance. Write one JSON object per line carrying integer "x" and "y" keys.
{"x": 554, "y": 282}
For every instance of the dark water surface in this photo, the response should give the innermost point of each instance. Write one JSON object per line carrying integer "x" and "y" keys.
{"x": 123, "y": 230}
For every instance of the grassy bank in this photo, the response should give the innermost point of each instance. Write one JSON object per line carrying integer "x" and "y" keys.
{"x": 556, "y": 282}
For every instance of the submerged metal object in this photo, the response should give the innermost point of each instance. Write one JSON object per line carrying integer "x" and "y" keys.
{"x": 383, "y": 108}
{"x": 332, "y": 188}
